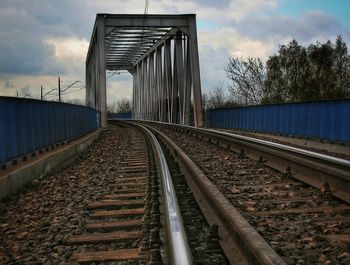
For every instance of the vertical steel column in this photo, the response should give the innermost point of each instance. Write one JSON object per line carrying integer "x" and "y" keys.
{"x": 152, "y": 87}
{"x": 87, "y": 83}
{"x": 134, "y": 81}
{"x": 138, "y": 103}
{"x": 187, "y": 93}
{"x": 157, "y": 86}
{"x": 136, "y": 78}
{"x": 92, "y": 80}
{"x": 141, "y": 96}
{"x": 165, "y": 92}
{"x": 95, "y": 78}
{"x": 141, "y": 89}
{"x": 174, "y": 94}
{"x": 168, "y": 77}
{"x": 145, "y": 86}
{"x": 102, "y": 69}
{"x": 180, "y": 77}
{"x": 148, "y": 89}
{"x": 156, "y": 93}
{"x": 160, "y": 85}
{"x": 196, "y": 81}
{"x": 149, "y": 117}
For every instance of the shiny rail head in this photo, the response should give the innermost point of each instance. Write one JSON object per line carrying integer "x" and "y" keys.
{"x": 179, "y": 248}
{"x": 328, "y": 158}
{"x": 332, "y": 159}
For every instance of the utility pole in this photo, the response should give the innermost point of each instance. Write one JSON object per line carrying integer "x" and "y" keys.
{"x": 59, "y": 89}
{"x": 41, "y": 92}
{"x": 17, "y": 93}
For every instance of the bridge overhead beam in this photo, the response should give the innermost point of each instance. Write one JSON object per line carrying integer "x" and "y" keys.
{"x": 161, "y": 53}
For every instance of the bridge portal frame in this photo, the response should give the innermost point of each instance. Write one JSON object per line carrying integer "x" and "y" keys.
{"x": 161, "y": 53}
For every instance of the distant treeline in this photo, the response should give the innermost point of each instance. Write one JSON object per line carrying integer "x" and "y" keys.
{"x": 319, "y": 71}
{"x": 122, "y": 106}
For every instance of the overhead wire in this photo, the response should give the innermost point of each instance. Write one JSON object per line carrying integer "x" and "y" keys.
{"x": 71, "y": 85}
{"x": 81, "y": 88}
{"x": 116, "y": 73}
{"x": 49, "y": 92}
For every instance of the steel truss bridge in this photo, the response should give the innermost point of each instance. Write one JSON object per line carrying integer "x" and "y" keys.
{"x": 161, "y": 53}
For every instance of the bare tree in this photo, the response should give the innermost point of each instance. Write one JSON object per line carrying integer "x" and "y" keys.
{"x": 217, "y": 97}
{"x": 124, "y": 105}
{"x": 112, "y": 107}
{"x": 248, "y": 77}
{"x": 205, "y": 101}
{"x": 26, "y": 92}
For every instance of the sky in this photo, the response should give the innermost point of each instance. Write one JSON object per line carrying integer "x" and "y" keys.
{"x": 43, "y": 39}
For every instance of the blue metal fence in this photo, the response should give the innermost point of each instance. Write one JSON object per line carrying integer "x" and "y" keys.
{"x": 328, "y": 120}
{"x": 27, "y": 125}
{"x": 120, "y": 115}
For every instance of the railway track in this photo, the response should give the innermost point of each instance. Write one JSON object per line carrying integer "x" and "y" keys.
{"x": 112, "y": 208}
{"x": 282, "y": 216}
{"x": 142, "y": 221}
{"x": 115, "y": 230}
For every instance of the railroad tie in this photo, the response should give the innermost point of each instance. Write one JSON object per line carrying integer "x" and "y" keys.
{"x": 117, "y": 217}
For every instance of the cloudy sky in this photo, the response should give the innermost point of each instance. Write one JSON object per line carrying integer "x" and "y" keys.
{"x": 43, "y": 39}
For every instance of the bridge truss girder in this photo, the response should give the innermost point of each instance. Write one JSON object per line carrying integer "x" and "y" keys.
{"x": 161, "y": 52}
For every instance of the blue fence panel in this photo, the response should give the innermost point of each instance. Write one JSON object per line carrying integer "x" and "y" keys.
{"x": 120, "y": 115}
{"x": 27, "y": 125}
{"x": 328, "y": 120}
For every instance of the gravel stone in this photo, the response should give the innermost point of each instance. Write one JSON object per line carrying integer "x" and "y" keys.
{"x": 35, "y": 224}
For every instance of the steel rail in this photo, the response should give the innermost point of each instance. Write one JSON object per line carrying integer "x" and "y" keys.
{"x": 180, "y": 252}
{"x": 239, "y": 240}
{"x": 332, "y": 159}
{"x": 318, "y": 170}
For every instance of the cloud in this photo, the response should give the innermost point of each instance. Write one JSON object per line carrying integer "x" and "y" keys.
{"x": 70, "y": 52}
{"x": 217, "y": 45}
{"x": 220, "y": 12}
{"x": 119, "y": 88}
{"x": 235, "y": 43}
{"x": 41, "y": 39}
{"x": 212, "y": 64}
{"x": 25, "y": 91}
{"x": 8, "y": 84}
{"x": 32, "y": 58}
{"x": 22, "y": 49}
{"x": 309, "y": 27}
